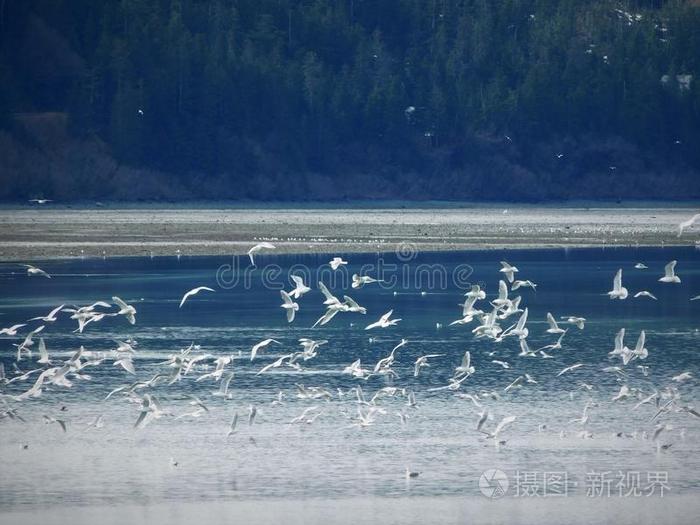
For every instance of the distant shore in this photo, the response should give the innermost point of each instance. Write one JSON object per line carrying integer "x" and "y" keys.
{"x": 48, "y": 231}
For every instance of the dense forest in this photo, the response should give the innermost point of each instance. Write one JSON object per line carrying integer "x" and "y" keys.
{"x": 347, "y": 99}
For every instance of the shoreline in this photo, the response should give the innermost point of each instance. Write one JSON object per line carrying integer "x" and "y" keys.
{"x": 59, "y": 232}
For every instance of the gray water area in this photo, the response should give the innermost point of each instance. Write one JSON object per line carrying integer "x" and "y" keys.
{"x": 267, "y": 468}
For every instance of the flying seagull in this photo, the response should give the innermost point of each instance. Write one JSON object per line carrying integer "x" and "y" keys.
{"x": 194, "y": 291}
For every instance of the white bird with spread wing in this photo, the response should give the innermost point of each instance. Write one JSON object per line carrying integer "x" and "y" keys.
{"x": 669, "y": 274}
{"x": 509, "y": 271}
{"x": 33, "y": 270}
{"x": 128, "y": 311}
{"x": 260, "y": 246}
{"x": 194, "y": 291}
{"x": 300, "y": 288}
{"x": 618, "y": 291}
{"x": 290, "y": 306}
{"x": 384, "y": 321}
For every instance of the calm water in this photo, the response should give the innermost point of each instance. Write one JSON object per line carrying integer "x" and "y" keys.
{"x": 332, "y": 458}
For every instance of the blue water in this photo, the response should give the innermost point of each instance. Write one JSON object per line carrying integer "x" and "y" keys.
{"x": 333, "y": 457}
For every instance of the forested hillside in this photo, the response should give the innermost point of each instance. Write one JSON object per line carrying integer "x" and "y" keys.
{"x": 290, "y": 100}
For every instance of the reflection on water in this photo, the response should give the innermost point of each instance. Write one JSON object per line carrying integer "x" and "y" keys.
{"x": 332, "y": 458}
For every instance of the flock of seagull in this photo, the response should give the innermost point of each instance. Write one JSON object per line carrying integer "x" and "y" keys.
{"x": 493, "y": 320}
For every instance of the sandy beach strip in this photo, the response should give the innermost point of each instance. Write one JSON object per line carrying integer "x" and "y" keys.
{"x": 54, "y": 232}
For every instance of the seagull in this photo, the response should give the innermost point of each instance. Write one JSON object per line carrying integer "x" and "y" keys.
{"x": 641, "y": 266}
{"x": 337, "y": 262}
{"x": 300, "y": 289}
{"x": 360, "y": 280}
{"x": 483, "y": 417}
{"x": 51, "y": 317}
{"x": 669, "y": 275}
{"x": 682, "y": 377}
{"x": 500, "y": 427}
{"x": 578, "y": 321}
{"x": 411, "y": 474}
{"x": 126, "y": 310}
{"x": 423, "y": 361}
{"x": 194, "y": 291}
{"x": 618, "y": 291}
{"x": 687, "y": 224}
{"x": 508, "y": 270}
{"x": 465, "y": 368}
{"x": 696, "y": 298}
{"x": 384, "y": 321}
{"x": 43, "y": 353}
{"x": 290, "y": 306}
{"x": 33, "y": 270}
{"x": 476, "y": 293}
{"x": 570, "y": 368}
{"x": 232, "y": 426}
{"x": 260, "y": 246}
{"x": 48, "y": 420}
{"x": 12, "y": 330}
{"x": 553, "y": 326}
{"x": 262, "y": 344}
{"x": 40, "y": 201}
{"x": 353, "y": 306}
{"x": 644, "y": 293}
{"x": 523, "y": 284}
{"x": 252, "y": 412}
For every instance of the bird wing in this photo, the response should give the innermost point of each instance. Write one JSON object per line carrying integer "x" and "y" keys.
{"x": 121, "y": 304}
{"x": 285, "y": 297}
{"x": 617, "y": 281}
{"x": 502, "y": 290}
{"x": 669, "y": 269}
{"x": 504, "y": 422}
{"x": 297, "y": 280}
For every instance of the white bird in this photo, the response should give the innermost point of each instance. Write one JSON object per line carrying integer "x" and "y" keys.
{"x": 682, "y": 377}
{"x": 687, "y": 224}
{"x": 353, "y": 306}
{"x": 12, "y": 330}
{"x": 500, "y": 427}
{"x": 553, "y": 326}
{"x": 580, "y": 322}
{"x": 423, "y": 361}
{"x": 290, "y": 306}
{"x": 128, "y": 311}
{"x": 300, "y": 288}
{"x": 50, "y": 317}
{"x": 262, "y": 344}
{"x": 260, "y": 246}
{"x": 337, "y": 262}
{"x": 523, "y": 284}
{"x": 618, "y": 291}
{"x": 696, "y": 298}
{"x": 570, "y": 368}
{"x": 641, "y": 266}
{"x": 669, "y": 274}
{"x": 508, "y": 270}
{"x": 384, "y": 321}
{"x": 644, "y": 293}
{"x": 483, "y": 418}
{"x": 465, "y": 368}
{"x": 33, "y": 270}
{"x": 43, "y": 353}
{"x": 476, "y": 293}
{"x": 194, "y": 291}
{"x": 360, "y": 280}
{"x": 232, "y": 426}
{"x": 40, "y": 201}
